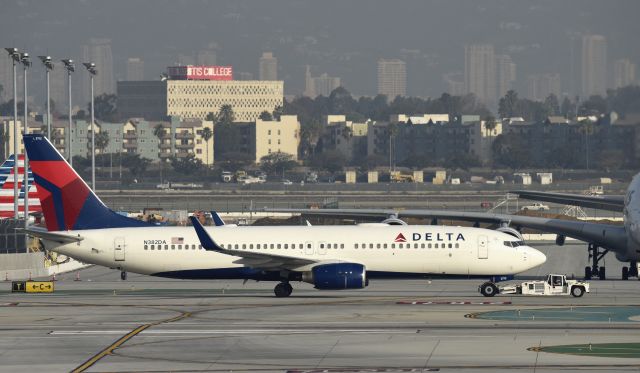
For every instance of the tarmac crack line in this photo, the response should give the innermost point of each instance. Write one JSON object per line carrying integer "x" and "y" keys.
{"x": 122, "y": 340}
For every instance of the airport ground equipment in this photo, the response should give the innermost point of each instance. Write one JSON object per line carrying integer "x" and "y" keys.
{"x": 553, "y": 285}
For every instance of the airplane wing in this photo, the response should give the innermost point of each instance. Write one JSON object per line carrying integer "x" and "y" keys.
{"x": 613, "y": 237}
{"x": 266, "y": 261}
{"x": 58, "y": 237}
{"x": 609, "y": 203}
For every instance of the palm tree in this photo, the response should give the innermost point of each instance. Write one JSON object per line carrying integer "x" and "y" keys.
{"x": 490, "y": 124}
{"x": 206, "y": 136}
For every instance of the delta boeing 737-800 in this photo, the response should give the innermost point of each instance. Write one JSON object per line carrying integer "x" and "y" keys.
{"x": 80, "y": 226}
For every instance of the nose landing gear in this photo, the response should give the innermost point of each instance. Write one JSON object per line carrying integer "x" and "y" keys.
{"x": 123, "y": 275}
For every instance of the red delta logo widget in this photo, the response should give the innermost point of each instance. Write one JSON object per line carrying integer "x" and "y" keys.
{"x": 400, "y": 238}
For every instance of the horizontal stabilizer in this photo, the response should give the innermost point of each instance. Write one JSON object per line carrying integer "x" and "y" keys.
{"x": 62, "y": 238}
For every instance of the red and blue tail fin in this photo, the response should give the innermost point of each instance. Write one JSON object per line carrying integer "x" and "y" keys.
{"x": 67, "y": 202}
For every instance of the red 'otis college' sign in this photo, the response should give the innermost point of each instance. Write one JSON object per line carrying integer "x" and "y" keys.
{"x": 191, "y": 72}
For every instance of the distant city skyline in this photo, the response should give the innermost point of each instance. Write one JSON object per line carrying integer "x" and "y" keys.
{"x": 541, "y": 38}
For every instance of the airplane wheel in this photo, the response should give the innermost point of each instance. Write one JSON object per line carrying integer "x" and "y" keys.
{"x": 625, "y": 273}
{"x": 587, "y": 273}
{"x": 488, "y": 289}
{"x": 577, "y": 291}
{"x": 602, "y": 275}
{"x": 283, "y": 290}
{"x": 123, "y": 276}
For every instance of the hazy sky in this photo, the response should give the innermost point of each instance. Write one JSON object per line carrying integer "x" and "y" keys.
{"x": 341, "y": 37}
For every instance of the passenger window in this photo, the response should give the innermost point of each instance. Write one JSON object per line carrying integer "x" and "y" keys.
{"x": 308, "y": 246}
{"x": 422, "y": 246}
{"x": 415, "y": 245}
{"x": 384, "y": 246}
{"x": 166, "y": 247}
{"x": 322, "y": 246}
{"x": 244, "y": 246}
{"x": 430, "y": 246}
{"x": 286, "y": 246}
{"x": 152, "y": 247}
{"x": 393, "y": 246}
{"x": 146, "y": 247}
{"x": 272, "y": 246}
{"x": 237, "y": 246}
{"x": 342, "y": 246}
{"x": 200, "y": 247}
{"x": 457, "y": 246}
{"x": 435, "y": 245}
{"x": 451, "y": 246}
{"x": 371, "y": 246}
{"x": 355, "y": 246}
{"x": 279, "y": 246}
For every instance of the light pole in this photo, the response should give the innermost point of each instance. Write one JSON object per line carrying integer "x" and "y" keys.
{"x": 91, "y": 68}
{"x": 48, "y": 64}
{"x": 15, "y": 58}
{"x": 26, "y": 63}
{"x": 70, "y": 67}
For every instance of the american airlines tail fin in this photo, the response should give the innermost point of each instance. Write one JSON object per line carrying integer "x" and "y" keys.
{"x": 7, "y": 180}
{"x": 67, "y": 202}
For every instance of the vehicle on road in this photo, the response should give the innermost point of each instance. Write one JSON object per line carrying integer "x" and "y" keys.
{"x": 535, "y": 207}
{"x": 553, "y": 285}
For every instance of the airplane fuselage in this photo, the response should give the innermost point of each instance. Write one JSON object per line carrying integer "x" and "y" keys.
{"x": 632, "y": 217}
{"x": 383, "y": 249}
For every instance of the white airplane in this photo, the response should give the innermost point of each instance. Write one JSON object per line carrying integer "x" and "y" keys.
{"x": 80, "y": 226}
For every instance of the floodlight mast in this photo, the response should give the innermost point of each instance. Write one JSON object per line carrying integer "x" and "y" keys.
{"x": 14, "y": 54}
{"x": 91, "y": 68}
{"x": 70, "y": 67}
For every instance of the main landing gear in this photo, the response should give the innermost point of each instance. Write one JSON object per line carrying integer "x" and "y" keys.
{"x": 595, "y": 254}
{"x": 283, "y": 289}
{"x": 630, "y": 271}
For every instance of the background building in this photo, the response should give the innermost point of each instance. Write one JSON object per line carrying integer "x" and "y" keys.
{"x": 624, "y": 73}
{"x": 97, "y": 51}
{"x": 321, "y": 85}
{"x": 146, "y": 99}
{"x": 540, "y": 86}
{"x": 506, "y": 74}
{"x": 268, "y": 67}
{"x": 135, "y": 69}
{"x": 392, "y": 78}
{"x": 594, "y": 65}
{"x": 480, "y": 72}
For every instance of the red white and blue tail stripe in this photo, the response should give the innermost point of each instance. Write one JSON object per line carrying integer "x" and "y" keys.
{"x": 7, "y": 197}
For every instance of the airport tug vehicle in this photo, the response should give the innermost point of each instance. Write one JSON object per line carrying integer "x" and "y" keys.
{"x": 553, "y": 285}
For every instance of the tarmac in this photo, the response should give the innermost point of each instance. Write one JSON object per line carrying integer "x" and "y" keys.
{"x": 144, "y": 324}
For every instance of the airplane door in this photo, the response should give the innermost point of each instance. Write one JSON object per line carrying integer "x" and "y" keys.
{"x": 322, "y": 248}
{"x": 118, "y": 249}
{"x": 483, "y": 247}
{"x": 308, "y": 248}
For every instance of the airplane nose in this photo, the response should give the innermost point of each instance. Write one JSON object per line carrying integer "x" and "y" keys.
{"x": 536, "y": 257}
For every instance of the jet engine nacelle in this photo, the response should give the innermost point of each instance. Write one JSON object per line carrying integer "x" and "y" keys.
{"x": 394, "y": 221}
{"x": 337, "y": 276}
{"x": 512, "y": 232}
